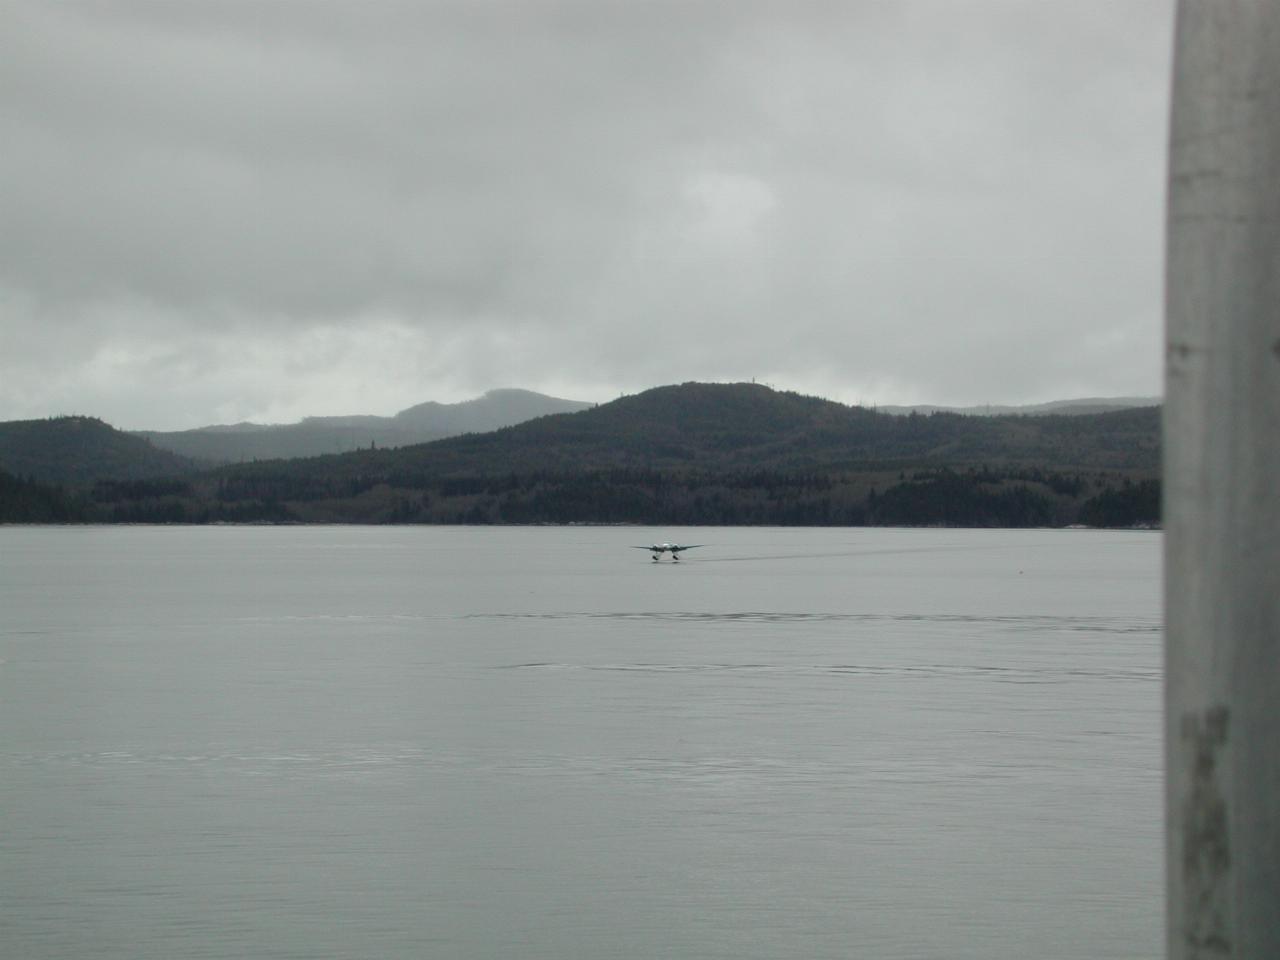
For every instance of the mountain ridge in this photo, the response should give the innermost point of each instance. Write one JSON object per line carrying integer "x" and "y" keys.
{"x": 314, "y": 436}
{"x": 742, "y": 426}
{"x": 731, "y": 454}
{"x": 1076, "y": 407}
{"x": 690, "y": 453}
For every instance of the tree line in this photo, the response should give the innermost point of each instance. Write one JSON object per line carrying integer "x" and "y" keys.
{"x": 979, "y": 496}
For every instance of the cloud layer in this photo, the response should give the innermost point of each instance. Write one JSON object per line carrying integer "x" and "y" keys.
{"x": 225, "y": 210}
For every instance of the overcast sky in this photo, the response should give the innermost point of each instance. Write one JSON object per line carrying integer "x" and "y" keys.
{"x": 216, "y": 211}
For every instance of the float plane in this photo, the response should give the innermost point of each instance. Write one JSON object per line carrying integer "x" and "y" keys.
{"x": 675, "y": 549}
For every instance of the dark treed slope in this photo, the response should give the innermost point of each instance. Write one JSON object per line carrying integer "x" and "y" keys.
{"x": 27, "y": 501}
{"x": 728, "y": 427}
{"x": 80, "y": 450}
{"x": 315, "y": 436}
{"x": 725, "y": 454}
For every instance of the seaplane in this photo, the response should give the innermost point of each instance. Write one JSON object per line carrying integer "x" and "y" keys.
{"x": 675, "y": 549}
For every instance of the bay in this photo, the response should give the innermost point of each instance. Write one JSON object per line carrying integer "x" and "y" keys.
{"x": 536, "y": 742}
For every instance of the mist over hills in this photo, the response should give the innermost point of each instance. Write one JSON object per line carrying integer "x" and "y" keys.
{"x": 313, "y": 436}
{"x": 1059, "y": 407}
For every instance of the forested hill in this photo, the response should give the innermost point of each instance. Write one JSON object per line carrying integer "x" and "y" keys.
{"x": 729, "y": 454}
{"x": 80, "y": 450}
{"x": 732, "y": 427}
{"x": 717, "y": 454}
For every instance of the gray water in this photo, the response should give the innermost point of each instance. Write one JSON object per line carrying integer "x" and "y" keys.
{"x": 536, "y": 743}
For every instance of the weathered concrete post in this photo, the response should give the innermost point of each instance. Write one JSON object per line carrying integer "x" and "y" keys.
{"x": 1222, "y": 483}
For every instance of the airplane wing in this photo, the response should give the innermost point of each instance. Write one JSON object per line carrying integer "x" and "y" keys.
{"x": 689, "y": 546}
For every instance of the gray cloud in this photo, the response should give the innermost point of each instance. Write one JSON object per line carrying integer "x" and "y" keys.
{"x": 218, "y": 210}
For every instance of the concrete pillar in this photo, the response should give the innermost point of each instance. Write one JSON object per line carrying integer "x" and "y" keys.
{"x": 1222, "y": 483}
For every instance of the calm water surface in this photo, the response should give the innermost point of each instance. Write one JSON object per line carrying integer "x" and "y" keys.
{"x": 536, "y": 743}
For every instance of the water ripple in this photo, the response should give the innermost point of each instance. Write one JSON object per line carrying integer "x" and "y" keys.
{"x": 1030, "y": 622}
{"x": 1041, "y": 675}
